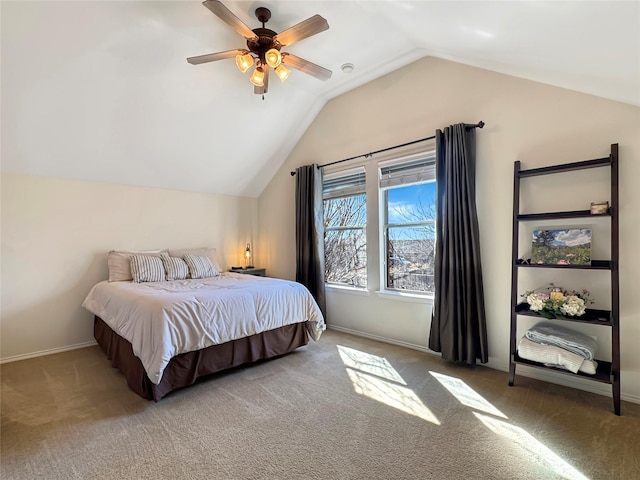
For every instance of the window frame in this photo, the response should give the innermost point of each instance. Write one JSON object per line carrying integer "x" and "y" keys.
{"x": 349, "y": 191}
{"x": 429, "y": 157}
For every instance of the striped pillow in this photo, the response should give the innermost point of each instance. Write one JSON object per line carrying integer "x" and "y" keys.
{"x": 200, "y": 267}
{"x": 176, "y": 268}
{"x": 145, "y": 268}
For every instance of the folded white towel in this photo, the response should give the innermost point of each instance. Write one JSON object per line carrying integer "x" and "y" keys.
{"x": 554, "y": 356}
{"x": 548, "y": 333}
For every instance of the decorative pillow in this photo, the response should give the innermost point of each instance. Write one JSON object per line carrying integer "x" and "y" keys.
{"x": 200, "y": 252}
{"x": 200, "y": 267}
{"x": 176, "y": 268}
{"x": 119, "y": 264}
{"x": 145, "y": 268}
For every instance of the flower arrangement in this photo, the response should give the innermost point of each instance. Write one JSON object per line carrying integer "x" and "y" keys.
{"x": 556, "y": 302}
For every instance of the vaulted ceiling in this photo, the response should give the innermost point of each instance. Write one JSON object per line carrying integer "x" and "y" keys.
{"x": 102, "y": 90}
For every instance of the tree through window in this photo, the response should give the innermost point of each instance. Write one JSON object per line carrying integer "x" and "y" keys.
{"x": 408, "y": 189}
{"x": 345, "y": 218}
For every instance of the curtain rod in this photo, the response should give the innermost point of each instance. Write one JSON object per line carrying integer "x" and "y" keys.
{"x": 480, "y": 124}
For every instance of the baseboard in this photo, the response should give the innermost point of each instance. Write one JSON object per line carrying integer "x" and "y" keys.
{"x": 537, "y": 374}
{"x": 42, "y": 353}
{"x": 400, "y": 343}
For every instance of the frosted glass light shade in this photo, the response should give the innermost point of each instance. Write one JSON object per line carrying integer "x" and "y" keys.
{"x": 273, "y": 58}
{"x": 258, "y": 77}
{"x": 282, "y": 72}
{"x": 244, "y": 62}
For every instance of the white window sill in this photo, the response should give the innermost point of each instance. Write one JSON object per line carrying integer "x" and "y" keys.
{"x": 406, "y": 296}
{"x": 331, "y": 287}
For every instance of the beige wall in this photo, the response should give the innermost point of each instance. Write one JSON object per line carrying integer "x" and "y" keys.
{"x": 527, "y": 121}
{"x": 55, "y": 235}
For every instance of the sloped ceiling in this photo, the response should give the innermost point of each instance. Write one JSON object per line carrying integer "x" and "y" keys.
{"x": 102, "y": 90}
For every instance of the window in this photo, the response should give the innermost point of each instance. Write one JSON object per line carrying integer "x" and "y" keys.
{"x": 345, "y": 217}
{"x": 408, "y": 218}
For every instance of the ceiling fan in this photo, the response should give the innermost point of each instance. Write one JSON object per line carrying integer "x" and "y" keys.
{"x": 264, "y": 45}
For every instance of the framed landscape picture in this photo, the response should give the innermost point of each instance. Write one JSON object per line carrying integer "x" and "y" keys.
{"x": 561, "y": 247}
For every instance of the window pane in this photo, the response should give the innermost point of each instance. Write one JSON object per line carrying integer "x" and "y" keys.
{"x": 346, "y": 257}
{"x": 414, "y": 203}
{"x": 345, "y": 211}
{"x": 410, "y": 249}
{"x": 410, "y": 258}
{"x": 345, "y": 248}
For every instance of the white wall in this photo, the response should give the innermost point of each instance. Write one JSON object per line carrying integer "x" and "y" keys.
{"x": 527, "y": 121}
{"x": 55, "y": 235}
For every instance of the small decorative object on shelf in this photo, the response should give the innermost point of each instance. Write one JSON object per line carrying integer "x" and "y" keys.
{"x": 556, "y": 302}
{"x": 599, "y": 208}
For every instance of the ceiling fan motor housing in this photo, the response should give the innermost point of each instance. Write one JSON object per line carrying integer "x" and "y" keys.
{"x": 265, "y": 37}
{"x": 264, "y": 42}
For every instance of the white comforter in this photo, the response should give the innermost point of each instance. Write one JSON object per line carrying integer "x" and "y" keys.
{"x": 164, "y": 319}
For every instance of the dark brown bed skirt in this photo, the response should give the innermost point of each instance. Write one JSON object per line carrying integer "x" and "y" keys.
{"x": 185, "y": 369}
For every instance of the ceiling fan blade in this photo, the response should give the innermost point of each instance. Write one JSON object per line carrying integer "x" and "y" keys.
{"x": 264, "y": 88}
{"x": 306, "y": 66}
{"x": 302, "y": 30}
{"x": 212, "y": 57}
{"x": 228, "y": 17}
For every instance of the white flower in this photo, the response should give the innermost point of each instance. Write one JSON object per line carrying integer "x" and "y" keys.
{"x": 535, "y": 302}
{"x": 573, "y": 306}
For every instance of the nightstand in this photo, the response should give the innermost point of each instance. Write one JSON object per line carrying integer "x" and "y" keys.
{"x": 258, "y": 272}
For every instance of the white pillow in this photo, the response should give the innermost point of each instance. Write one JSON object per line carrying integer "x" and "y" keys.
{"x": 120, "y": 266}
{"x": 201, "y": 252}
{"x": 176, "y": 268}
{"x": 145, "y": 268}
{"x": 200, "y": 267}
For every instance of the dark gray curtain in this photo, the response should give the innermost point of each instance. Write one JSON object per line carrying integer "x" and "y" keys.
{"x": 458, "y": 324}
{"x": 310, "y": 232}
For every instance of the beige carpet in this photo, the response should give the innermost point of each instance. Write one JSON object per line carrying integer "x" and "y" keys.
{"x": 343, "y": 408}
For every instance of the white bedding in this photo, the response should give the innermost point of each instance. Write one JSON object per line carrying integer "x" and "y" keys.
{"x": 164, "y": 319}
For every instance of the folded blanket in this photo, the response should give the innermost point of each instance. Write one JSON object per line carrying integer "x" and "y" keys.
{"x": 551, "y": 334}
{"x": 553, "y": 356}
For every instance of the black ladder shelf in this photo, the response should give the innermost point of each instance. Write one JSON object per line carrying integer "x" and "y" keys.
{"x": 607, "y": 371}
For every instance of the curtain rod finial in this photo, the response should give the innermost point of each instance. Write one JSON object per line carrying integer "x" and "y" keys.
{"x": 480, "y": 124}
{"x": 293, "y": 173}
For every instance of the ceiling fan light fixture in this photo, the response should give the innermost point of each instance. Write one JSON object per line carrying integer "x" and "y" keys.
{"x": 263, "y": 47}
{"x": 258, "y": 77}
{"x": 282, "y": 72}
{"x": 273, "y": 57}
{"x": 244, "y": 62}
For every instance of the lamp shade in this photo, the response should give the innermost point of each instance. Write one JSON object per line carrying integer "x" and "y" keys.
{"x": 273, "y": 57}
{"x": 244, "y": 62}
{"x": 282, "y": 72}
{"x": 258, "y": 77}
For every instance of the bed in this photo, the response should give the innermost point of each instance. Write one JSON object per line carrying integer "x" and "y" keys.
{"x": 166, "y": 335}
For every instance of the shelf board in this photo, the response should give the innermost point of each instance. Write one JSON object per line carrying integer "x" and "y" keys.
{"x": 595, "y": 265}
{"x": 523, "y": 217}
{"x": 603, "y": 371}
{"x": 591, "y": 316}
{"x": 565, "y": 167}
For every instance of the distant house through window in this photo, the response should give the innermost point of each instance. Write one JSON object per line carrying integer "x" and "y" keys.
{"x": 345, "y": 218}
{"x": 408, "y": 218}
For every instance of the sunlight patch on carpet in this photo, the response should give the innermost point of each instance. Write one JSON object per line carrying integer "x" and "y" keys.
{"x": 374, "y": 377}
{"x": 467, "y": 395}
{"x": 537, "y": 450}
{"x": 373, "y": 364}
